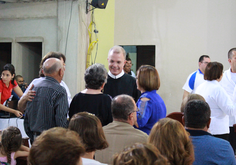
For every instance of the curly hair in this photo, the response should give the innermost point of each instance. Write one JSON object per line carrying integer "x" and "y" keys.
{"x": 172, "y": 140}
{"x": 95, "y": 76}
{"x": 140, "y": 154}
{"x": 11, "y": 141}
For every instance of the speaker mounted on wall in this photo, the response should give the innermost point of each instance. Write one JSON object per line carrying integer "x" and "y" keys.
{"x": 100, "y": 4}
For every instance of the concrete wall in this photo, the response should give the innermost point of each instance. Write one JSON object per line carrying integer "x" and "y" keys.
{"x": 56, "y": 25}
{"x": 182, "y": 31}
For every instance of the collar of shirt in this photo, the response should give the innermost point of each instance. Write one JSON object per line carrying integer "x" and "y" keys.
{"x": 200, "y": 71}
{"x": 117, "y": 76}
{"x": 197, "y": 132}
{"x": 51, "y": 78}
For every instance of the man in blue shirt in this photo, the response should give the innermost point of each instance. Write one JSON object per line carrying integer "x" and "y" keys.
{"x": 207, "y": 148}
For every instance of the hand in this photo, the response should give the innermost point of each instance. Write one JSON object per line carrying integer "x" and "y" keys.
{"x": 30, "y": 94}
{"x": 18, "y": 114}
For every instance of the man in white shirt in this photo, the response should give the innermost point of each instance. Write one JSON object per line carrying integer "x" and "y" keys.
{"x": 197, "y": 77}
{"x": 118, "y": 82}
{"x": 228, "y": 82}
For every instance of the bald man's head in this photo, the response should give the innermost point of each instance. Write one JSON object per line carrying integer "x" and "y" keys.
{"x": 53, "y": 67}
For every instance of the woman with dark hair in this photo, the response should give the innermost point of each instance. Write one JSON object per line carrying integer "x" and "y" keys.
{"x": 91, "y": 133}
{"x": 150, "y": 105}
{"x": 91, "y": 99}
{"x": 7, "y": 84}
{"x": 220, "y": 103}
{"x": 173, "y": 141}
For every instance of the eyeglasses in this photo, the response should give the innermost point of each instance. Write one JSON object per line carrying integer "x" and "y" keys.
{"x": 134, "y": 111}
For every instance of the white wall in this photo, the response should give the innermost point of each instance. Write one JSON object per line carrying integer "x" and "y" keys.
{"x": 182, "y": 31}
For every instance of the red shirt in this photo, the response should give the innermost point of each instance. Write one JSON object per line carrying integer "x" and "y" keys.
{"x": 6, "y": 91}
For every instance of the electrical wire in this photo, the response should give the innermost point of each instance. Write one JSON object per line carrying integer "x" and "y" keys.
{"x": 68, "y": 29}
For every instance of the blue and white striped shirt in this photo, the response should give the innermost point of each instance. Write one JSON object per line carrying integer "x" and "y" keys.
{"x": 48, "y": 108}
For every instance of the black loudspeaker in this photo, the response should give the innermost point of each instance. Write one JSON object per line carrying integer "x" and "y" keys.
{"x": 101, "y": 4}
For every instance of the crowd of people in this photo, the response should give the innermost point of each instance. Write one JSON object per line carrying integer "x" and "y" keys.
{"x": 119, "y": 118}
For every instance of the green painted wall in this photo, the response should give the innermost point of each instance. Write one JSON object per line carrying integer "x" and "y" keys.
{"x": 104, "y": 19}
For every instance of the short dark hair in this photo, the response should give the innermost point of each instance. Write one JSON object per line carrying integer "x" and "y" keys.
{"x": 196, "y": 114}
{"x": 128, "y": 59}
{"x": 95, "y": 76}
{"x": 148, "y": 78}
{"x": 18, "y": 76}
{"x": 11, "y": 69}
{"x": 122, "y": 106}
{"x": 57, "y": 55}
{"x": 89, "y": 128}
{"x": 202, "y": 58}
{"x": 213, "y": 71}
{"x": 56, "y": 146}
{"x": 230, "y": 53}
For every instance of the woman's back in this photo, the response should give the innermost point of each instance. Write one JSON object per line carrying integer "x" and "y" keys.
{"x": 98, "y": 104}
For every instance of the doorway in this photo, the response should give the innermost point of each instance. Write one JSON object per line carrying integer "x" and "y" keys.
{"x": 30, "y": 55}
{"x": 140, "y": 55}
{"x": 5, "y": 53}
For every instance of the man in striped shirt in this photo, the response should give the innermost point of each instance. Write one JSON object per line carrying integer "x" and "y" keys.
{"x": 50, "y": 106}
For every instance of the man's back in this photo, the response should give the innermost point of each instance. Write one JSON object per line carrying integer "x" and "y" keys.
{"x": 119, "y": 135}
{"x": 211, "y": 150}
{"x": 48, "y": 108}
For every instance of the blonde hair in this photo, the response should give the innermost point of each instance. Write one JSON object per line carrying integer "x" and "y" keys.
{"x": 172, "y": 140}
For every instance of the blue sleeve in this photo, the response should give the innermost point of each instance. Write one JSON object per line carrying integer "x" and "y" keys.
{"x": 144, "y": 112}
{"x": 192, "y": 80}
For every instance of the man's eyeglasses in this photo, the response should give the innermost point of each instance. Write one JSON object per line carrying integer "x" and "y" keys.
{"x": 134, "y": 111}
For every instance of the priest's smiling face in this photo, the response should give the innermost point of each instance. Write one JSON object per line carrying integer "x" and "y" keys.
{"x": 116, "y": 62}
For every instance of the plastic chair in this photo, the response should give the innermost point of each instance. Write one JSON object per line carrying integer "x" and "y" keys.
{"x": 176, "y": 116}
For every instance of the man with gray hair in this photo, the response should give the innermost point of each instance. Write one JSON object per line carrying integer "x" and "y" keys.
{"x": 120, "y": 132}
{"x": 118, "y": 82}
{"x": 49, "y": 107}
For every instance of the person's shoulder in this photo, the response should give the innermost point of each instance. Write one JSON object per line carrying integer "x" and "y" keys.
{"x": 138, "y": 134}
{"x": 106, "y": 96}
